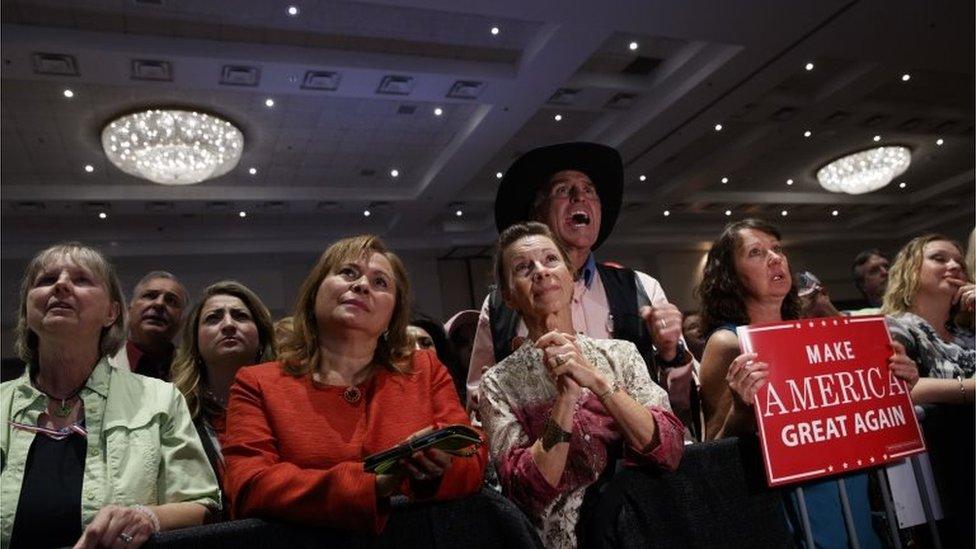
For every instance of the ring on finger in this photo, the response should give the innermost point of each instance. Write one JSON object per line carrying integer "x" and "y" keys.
{"x": 664, "y": 323}
{"x": 126, "y": 538}
{"x": 560, "y": 360}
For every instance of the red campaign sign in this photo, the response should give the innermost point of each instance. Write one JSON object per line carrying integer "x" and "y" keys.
{"x": 830, "y": 405}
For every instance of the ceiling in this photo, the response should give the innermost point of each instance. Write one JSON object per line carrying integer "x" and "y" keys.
{"x": 323, "y": 156}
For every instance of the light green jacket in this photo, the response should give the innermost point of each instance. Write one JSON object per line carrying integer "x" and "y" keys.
{"x": 142, "y": 446}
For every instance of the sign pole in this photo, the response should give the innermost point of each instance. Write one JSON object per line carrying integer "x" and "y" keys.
{"x": 923, "y": 492}
{"x": 801, "y": 504}
{"x": 845, "y": 506}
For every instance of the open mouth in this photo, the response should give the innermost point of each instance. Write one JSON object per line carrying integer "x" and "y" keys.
{"x": 579, "y": 219}
{"x": 778, "y": 277}
{"x": 60, "y": 306}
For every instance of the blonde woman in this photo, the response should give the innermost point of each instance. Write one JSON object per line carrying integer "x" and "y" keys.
{"x": 927, "y": 283}
{"x": 228, "y": 328}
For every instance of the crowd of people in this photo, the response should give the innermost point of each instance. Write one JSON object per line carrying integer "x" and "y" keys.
{"x": 571, "y": 369}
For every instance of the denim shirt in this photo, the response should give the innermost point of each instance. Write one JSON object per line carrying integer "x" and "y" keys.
{"x": 142, "y": 446}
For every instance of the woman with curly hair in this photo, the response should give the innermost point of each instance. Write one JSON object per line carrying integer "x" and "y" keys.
{"x": 228, "y": 328}
{"x": 927, "y": 284}
{"x": 747, "y": 280}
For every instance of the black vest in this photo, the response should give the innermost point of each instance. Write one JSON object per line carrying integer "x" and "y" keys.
{"x": 625, "y": 295}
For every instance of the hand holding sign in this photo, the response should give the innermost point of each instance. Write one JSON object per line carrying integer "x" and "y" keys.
{"x": 745, "y": 377}
{"x": 901, "y": 366}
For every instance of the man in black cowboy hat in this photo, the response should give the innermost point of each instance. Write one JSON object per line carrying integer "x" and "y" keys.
{"x": 576, "y": 189}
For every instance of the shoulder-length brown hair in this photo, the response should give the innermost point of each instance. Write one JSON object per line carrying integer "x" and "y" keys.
{"x": 189, "y": 373}
{"x": 299, "y": 352}
{"x": 721, "y": 292}
{"x": 110, "y": 341}
{"x": 899, "y": 296}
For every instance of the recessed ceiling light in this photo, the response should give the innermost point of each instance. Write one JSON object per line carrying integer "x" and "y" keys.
{"x": 558, "y": 117}
{"x": 68, "y": 93}
{"x": 366, "y": 213}
{"x": 495, "y": 31}
{"x": 809, "y": 66}
{"x": 667, "y": 213}
{"x": 876, "y": 138}
{"x": 269, "y": 102}
{"x": 242, "y": 213}
{"x": 939, "y": 141}
{"x": 789, "y": 181}
{"x": 784, "y": 213}
{"x": 807, "y": 133}
{"x": 394, "y": 173}
{"x": 499, "y": 175}
{"x": 89, "y": 168}
{"x": 633, "y": 46}
{"x": 834, "y": 213}
{"x": 906, "y": 77}
{"x": 728, "y": 213}
{"x": 902, "y": 185}
{"x": 102, "y": 215}
{"x": 252, "y": 171}
{"x": 459, "y": 212}
{"x": 725, "y": 180}
{"x": 642, "y": 177}
{"x": 718, "y": 127}
{"x": 292, "y": 11}
{"x": 438, "y": 111}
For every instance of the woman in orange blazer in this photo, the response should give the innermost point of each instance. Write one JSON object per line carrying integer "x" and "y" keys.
{"x": 346, "y": 385}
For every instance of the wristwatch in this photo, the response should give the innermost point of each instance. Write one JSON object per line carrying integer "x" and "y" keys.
{"x": 553, "y": 434}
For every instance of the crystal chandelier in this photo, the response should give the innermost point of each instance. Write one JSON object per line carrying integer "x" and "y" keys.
{"x": 172, "y": 147}
{"x": 864, "y": 171}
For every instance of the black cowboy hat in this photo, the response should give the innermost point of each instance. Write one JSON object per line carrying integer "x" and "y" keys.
{"x": 532, "y": 170}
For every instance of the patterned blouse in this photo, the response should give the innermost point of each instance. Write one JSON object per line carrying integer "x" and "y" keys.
{"x": 516, "y": 398}
{"x": 935, "y": 357}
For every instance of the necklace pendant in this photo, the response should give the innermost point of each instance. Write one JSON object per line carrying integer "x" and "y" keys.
{"x": 352, "y": 394}
{"x": 63, "y": 410}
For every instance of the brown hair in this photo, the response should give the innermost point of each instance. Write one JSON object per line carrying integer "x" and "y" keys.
{"x": 903, "y": 276}
{"x": 299, "y": 351}
{"x": 721, "y": 292}
{"x": 188, "y": 372}
{"x": 25, "y": 340}
{"x": 512, "y": 235}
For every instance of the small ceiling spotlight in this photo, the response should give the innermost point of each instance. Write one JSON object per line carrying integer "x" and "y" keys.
{"x": 366, "y": 213}
{"x": 499, "y": 175}
{"x": 642, "y": 177}
{"x": 459, "y": 212}
{"x": 667, "y": 213}
{"x": 906, "y": 77}
{"x": 902, "y": 185}
{"x": 809, "y": 66}
{"x": 269, "y": 102}
{"x": 242, "y": 214}
{"x": 807, "y": 133}
{"x": 834, "y": 213}
{"x": 558, "y": 117}
{"x": 495, "y": 31}
{"x": 784, "y": 213}
{"x": 939, "y": 141}
{"x": 252, "y": 171}
{"x": 102, "y": 215}
{"x": 633, "y": 46}
{"x": 394, "y": 173}
{"x": 68, "y": 93}
{"x": 725, "y": 180}
{"x": 718, "y": 127}
{"x": 789, "y": 182}
{"x": 89, "y": 168}
{"x": 293, "y": 11}
{"x": 728, "y": 213}
{"x": 438, "y": 111}
{"x": 876, "y": 138}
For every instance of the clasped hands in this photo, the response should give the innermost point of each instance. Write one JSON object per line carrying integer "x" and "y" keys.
{"x": 568, "y": 367}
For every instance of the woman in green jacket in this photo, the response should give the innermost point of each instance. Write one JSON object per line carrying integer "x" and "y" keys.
{"x": 91, "y": 455}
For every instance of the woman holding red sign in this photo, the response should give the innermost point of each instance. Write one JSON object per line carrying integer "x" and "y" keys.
{"x": 747, "y": 280}
{"x": 927, "y": 284}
